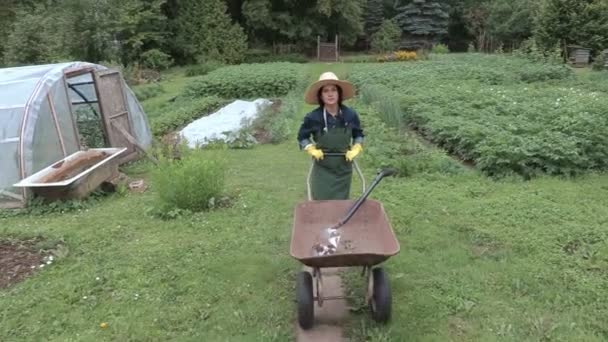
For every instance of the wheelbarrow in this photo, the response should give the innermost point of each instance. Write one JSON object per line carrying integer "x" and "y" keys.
{"x": 366, "y": 240}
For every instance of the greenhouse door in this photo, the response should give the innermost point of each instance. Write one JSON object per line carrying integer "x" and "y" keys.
{"x": 115, "y": 113}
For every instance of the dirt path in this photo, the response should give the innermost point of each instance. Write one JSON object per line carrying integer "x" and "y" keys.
{"x": 329, "y": 318}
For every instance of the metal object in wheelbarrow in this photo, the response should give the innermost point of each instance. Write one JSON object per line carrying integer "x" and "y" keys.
{"x": 329, "y": 238}
{"x": 367, "y": 238}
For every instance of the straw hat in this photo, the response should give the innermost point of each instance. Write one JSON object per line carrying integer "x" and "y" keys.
{"x": 348, "y": 90}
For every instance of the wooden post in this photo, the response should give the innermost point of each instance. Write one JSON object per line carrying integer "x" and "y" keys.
{"x": 318, "y": 47}
{"x": 336, "y": 47}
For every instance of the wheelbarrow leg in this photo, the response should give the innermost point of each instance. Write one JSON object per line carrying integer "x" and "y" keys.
{"x": 319, "y": 280}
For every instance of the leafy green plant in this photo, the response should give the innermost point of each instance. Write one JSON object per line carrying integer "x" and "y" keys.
{"x": 184, "y": 112}
{"x": 203, "y": 68}
{"x": 254, "y": 56}
{"x": 148, "y": 91}
{"x": 479, "y": 109}
{"x": 248, "y": 81}
{"x": 387, "y": 37}
{"x": 190, "y": 183}
{"x": 440, "y": 49}
{"x": 359, "y": 59}
{"x": 156, "y": 60}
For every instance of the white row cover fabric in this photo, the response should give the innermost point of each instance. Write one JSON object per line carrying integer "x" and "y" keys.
{"x": 228, "y": 119}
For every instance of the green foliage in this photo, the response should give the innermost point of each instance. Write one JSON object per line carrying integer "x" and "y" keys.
{"x": 191, "y": 183}
{"x": 37, "y": 37}
{"x": 600, "y": 62}
{"x": 374, "y": 16}
{"x": 423, "y": 23}
{"x": 274, "y": 124}
{"x": 385, "y": 101}
{"x": 358, "y": 59}
{"x": 511, "y": 21}
{"x": 183, "y": 112}
{"x": 275, "y": 21}
{"x": 388, "y": 147}
{"x": 156, "y": 60}
{"x": 38, "y": 206}
{"x": 204, "y": 29}
{"x": 90, "y": 127}
{"x": 507, "y": 127}
{"x": 247, "y": 81}
{"x": 540, "y": 73}
{"x": 387, "y": 37}
{"x": 440, "y": 49}
{"x": 85, "y": 30}
{"x": 203, "y": 68}
{"x": 566, "y": 22}
{"x": 148, "y": 91}
{"x": 254, "y": 56}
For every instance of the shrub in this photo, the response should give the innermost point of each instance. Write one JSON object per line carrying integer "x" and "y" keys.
{"x": 399, "y": 56}
{"x": 156, "y": 60}
{"x": 248, "y": 81}
{"x": 387, "y": 37}
{"x": 191, "y": 183}
{"x": 187, "y": 112}
{"x": 440, "y": 49}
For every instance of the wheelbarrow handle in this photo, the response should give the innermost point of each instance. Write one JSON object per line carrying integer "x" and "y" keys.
{"x": 381, "y": 174}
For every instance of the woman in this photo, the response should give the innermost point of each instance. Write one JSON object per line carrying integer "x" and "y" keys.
{"x": 334, "y": 128}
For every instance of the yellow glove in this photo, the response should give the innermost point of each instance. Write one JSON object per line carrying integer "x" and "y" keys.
{"x": 353, "y": 152}
{"x": 314, "y": 152}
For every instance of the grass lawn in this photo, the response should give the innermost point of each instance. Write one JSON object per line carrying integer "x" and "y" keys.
{"x": 480, "y": 259}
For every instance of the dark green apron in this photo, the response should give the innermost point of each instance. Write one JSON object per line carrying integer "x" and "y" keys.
{"x": 331, "y": 177}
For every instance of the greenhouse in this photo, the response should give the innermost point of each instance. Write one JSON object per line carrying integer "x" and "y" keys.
{"x": 48, "y": 112}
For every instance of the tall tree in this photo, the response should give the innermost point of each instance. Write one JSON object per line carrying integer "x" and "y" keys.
{"x": 511, "y": 22}
{"x": 568, "y": 22}
{"x": 301, "y": 21}
{"x": 423, "y": 23}
{"x": 374, "y": 15}
{"x": 206, "y": 31}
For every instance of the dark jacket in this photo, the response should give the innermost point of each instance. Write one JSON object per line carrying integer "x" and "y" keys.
{"x": 313, "y": 124}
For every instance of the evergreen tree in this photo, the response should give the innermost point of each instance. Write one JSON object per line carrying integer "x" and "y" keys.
{"x": 205, "y": 31}
{"x": 387, "y": 37}
{"x": 374, "y": 15}
{"x": 423, "y": 23}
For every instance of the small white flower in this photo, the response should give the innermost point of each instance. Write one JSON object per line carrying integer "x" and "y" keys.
{"x": 84, "y": 297}
{"x": 51, "y": 258}
{"x": 41, "y": 266}
{"x": 49, "y": 262}
{"x": 33, "y": 266}
{"x": 96, "y": 278}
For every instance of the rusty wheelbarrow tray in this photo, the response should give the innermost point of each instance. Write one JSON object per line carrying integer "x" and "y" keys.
{"x": 367, "y": 240}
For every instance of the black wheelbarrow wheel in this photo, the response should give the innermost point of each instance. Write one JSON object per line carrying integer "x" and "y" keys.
{"x": 381, "y": 299}
{"x": 304, "y": 293}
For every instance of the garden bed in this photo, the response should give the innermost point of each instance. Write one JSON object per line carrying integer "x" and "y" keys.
{"x": 19, "y": 259}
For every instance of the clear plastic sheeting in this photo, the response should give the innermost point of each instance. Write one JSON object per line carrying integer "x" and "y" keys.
{"x": 37, "y": 121}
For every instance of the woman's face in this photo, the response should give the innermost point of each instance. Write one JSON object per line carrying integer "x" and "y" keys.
{"x": 329, "y": 94}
